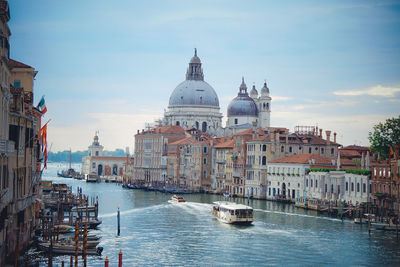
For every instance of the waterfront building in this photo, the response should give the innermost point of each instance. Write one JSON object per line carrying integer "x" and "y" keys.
{"x": 194, "y": 103}
{"x": 287, "y": 176}
{"x": 20, "y": 153}
{"x": 103, "y": 166}
{"x": 381, "y": 185}
{"x": 244, "y": 111}
{"x": 151, "y": 152}
{"x": 189, "y": 161}
{"x": 222, "y": 166}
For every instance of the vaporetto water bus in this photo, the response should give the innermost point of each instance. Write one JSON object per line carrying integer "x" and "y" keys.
{"x": 232, "y": 213}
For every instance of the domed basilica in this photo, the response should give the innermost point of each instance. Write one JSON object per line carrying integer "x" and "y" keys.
{"x": 194, "y": 104}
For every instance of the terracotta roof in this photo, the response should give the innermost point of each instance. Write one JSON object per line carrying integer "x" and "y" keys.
{"x": 304, "y": 159}
{"x": 356, "y": 148}
{"x": 186, "y": 140}
{"x": 350, "y": 153}
{"x": 245, "y": 132}
{"x": 227, "y": 144}
{"x": 16, "y": 64}
{"x": 170, "y": 129}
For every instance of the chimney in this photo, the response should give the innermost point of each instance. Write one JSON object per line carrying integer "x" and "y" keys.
{"x": 320, "y": 133}
{"x": 138, "y": 131}
{"x": 334, "y": 137}
{"x": 328, "y": 136}
{"x": 316, "y": 131}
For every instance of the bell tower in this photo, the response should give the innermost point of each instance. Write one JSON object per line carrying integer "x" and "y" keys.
{"x": 95, "y": 150}
{"x": 264, "y": 107}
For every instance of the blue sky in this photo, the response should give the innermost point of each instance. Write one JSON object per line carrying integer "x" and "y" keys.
{"x": 112, "y": 65}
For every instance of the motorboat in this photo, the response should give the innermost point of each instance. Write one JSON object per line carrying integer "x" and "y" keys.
{"x": 364, "y": 220}
{"x": 68, "y": 248}
{"x": 176, "y": 199}
{"x": 232, "y": 213}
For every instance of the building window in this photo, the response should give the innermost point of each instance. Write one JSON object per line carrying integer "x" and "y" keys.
{"x": 290, "y": 149}
{"x": 326, "y": 188}
{"x": 352, "y": 187}
{"x": 236, "y": 121}
{"x": 347, "y": 186}
{"x": 205, "y": 150}
{"x": 269, "y": 191}
{"x": 358, "y": 187}
{"x": 338, "y": 189}
{"x": 364, "y": 187}
{"x": 97, "y": 153}
{"x": 17, "y": 83}
{"x": 311, "y": 182}
{"x": 282, "y": 148}
{"x": 322, "y": 150}
{"x": 306, "y": 182}
{"x": 94, "y": 165}
{"x": 309, "y": 150}
{"x": 205, "y": 161}
{"x": 204, "y": 174}
{"x": 264, "y": 148}
{"x": 264, "y": 160}
{"x": 331, "y": 188}
{"x": 177, "y": 123}
{"x": 332, "y": 151}
{"x": 316, "y": 183}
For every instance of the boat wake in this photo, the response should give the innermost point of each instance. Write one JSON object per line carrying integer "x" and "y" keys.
{"x": 299, "y": 215}
{"x": 195, "y": 208}
{"x": 134, "y": 210}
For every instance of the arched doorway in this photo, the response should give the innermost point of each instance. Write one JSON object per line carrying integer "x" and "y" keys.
{"x": 115, "y": 169}
{"x": 204, "y": 126}
{"x": 283, "y": 189}
{"x": 100, "y": 169}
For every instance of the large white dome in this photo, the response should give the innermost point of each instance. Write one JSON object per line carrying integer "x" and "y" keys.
{"x": 194, "y": 93}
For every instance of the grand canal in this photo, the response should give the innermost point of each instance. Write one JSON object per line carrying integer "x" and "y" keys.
{"x": 154, "y": 232}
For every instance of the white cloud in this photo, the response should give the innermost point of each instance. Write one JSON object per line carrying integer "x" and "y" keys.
{"x": 377, "y": 90}
{"x": 276, "y": 98}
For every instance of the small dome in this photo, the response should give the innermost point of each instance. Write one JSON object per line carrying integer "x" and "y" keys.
{"x": 194, "y": 93}
{"x": 242, "y": 105}
{"x": 265, "y": 89}
{"x": 253, "y": 92}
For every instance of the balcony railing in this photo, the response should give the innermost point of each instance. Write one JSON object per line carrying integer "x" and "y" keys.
{"x": 6, "y": 147}
{"x": 221, "y": 161}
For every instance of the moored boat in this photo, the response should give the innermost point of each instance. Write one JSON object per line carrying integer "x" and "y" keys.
{"x": 232, "y": 213}
{"x": 68, "y": 249}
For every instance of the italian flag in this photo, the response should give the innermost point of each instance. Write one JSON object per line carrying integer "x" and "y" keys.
{"x": 42, "y": 106}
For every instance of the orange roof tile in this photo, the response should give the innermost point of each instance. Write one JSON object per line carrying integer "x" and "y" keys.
{"x": 227, "y": 144}
{"x": 16, "y": 64}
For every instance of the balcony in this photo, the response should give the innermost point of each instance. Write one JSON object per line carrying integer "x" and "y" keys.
{"x": 6, "y": 147}
{"x": 220, "y": 161}
{"x": 237, "y": 173}
{"x": 23, "y": 203}
{"x": 5, "y": 198}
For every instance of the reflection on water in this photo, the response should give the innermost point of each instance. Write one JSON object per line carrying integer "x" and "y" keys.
{"x": 155, "y": 232}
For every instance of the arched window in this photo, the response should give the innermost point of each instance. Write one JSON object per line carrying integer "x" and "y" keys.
{"x": 290, "y": 149}
{"x": 352, "y": 187}
{"x": 204, "y": 126}
{"x": 264, "y": 148}
{"x": 197, "y": 125}
{"x": 282, "y": 148}
{"x": 264, "y": 160}
{"x": 358, "y": 187}
{"x": 309, "y": 150}
{"x": 267, "y": 106}
{"x": 177, "y": 123}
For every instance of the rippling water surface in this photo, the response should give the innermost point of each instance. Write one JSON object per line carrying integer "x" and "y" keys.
{"x": 155, "y": 232}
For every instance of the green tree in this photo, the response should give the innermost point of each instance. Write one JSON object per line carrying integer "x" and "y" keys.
{"x": 384, "y": 136}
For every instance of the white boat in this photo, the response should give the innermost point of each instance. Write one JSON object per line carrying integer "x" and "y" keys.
{"x": 232, "y": 213}
{"x": 176, "y": 199}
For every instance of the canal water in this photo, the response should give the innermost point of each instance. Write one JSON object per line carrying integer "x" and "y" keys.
{"x": 155, "y": 232}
